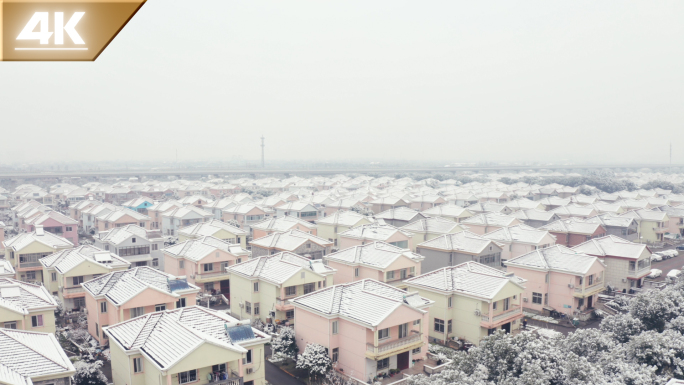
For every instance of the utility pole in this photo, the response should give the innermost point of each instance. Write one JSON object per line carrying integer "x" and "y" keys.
{"x": 262, "y": 152}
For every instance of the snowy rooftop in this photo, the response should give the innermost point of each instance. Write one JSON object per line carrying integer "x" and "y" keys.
{"x": 555, "y": 258}
{"x": 463, "y": 241}
{"x": 197, "y": 249}
{"x": 278, "y": 268}
{"x": 65, "y": 260}
{"x": 289, "y": 240}
{"x": 376, "y": 254}
{"x": 612, "y": 246}
{"x": 26, "y": 354}
{"x": 210, "y": 228}
{"x": 21, "y": 297}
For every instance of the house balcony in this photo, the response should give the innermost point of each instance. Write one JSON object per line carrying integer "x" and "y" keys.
{"x": 211, "y": 276}
{"x": 489, "y": 322}
{"x": 29, "y": 266}
{"x": 588, "y": 291}
{"x": 661, "y": 230}
{"x": 232, "y": 380}
{"x": 638, "y": 273}
{"x": 72, "y": 292}
{"x": 390, "y": 348}
{"x": 283, "y": 304}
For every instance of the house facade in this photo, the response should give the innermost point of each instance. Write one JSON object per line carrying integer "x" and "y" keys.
{"x": 25, "y": 306}
{"x": 25, "y": 250}
{"x": 138, "y": 246}
{"x": 455, "y": 249}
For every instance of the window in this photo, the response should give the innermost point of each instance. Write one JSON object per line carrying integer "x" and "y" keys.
{"x": 390, "y": 275}
{"x": 590, "y": 280}
{"x": 449, "y": 326}
{"x": 289, "y": 314}
{"x": 31, "y": 275}
{"x": 181, "y": 264}
{"x": 290, "y": 291}
{"x": 506, "y": 303}
{"x": 218, "y": 368}
{"x": 383, "y": 333}
{"x": 450, "y": 302}
{"x": 103, "y": 307}
{"x": 537, "y": 298}
{"x": 335, "y": 327}
{"x": 239, "y": 260}
{"x": 155, "y": 247}
{"x": 415, "y": 351}
{"x": 383, "y": 364}
{"x": 137, "y": 365}
{"x": 248, "y": 307}
{"x": 494, "y": 305}
{"x": 336, "y": 354}
{"x": 155, "y": 262}
{"x": 11, "y": 325}
{"x": 133, "y": 240}
{"x": 137, "y": 312}
{"x": 208, "y": 266}
{"x": 403, "y": 330}
{"x": 180, "y": 303}
{"x": 439, "y": 325}
{"x": 256, "y": 287}
{"x": 412, "y": 271}
{"x": 402, "y": 274}
{"x": 256, "y": 308}
{"x": 53, "y": 276}
{"x": 37, "y": 321}
{"x": 133, "y": 250}
{"x": 189, "y": 376}
{"x": 356, "y": 272}
{"x": 309, "y": 288}
{"x": 249, "y": 356}
{"x": 417, "y": 322}
{"x": 77, "y": 280}
{"x": 160, "y": 307}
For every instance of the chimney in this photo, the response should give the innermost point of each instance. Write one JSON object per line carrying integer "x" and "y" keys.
{"x": 39, "y": 230}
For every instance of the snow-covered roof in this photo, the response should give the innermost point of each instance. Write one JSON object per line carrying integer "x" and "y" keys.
{"x": 400, "y": 213}
{"x": 121, "y": 286}
{"x": 613, "y": 246}
{"x": 373, "y": 232}
{"x": 464, "y": 242}
{"x": 434, "y": 225}
{"x": 210, "y": 228}
{"x": 572, "y": 226}
{"x": 343, "y": 218}
{"x": 169, "y": 336}
{"x": 25, "y": 354}
{"x": 491, "y": 219}
{"x": 376, "y": 255}
{"x": 448, "y": 211}
{"x": 367, "y": 302}
{"x": 288, "y": 240}
{"x": 197, "y": 249}
{"x": 555, "y": 258}
{"x": 118, "y": 235}
{"x": 6, "y": 269}
{"x": 535, "y": 215}
{"x": 279, "y": 267}
{"x": 518, "y": 234}
{"x": 65, "y": 260}
{"x": 187, "y": 211}
{"x": 283, "y": 223}
{"x": 54, "y": 215}
{"x": 469, "y": 278}
{"x": 46, "y": 238}
{"x": 22, "y": 297}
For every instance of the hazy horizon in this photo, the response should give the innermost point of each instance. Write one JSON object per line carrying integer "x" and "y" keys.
{"x": 579, "y": 82}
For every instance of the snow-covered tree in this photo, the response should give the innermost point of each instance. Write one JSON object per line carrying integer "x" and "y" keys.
{"x": 89, "y": 373}
{"x": 621, "y": 326}
{"x": 315, "y": 360}
{"x": 285, "y": 344}
{"x": 59, "y": 311}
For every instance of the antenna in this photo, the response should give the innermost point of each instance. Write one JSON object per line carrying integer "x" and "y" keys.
{"x": 262, "y": 151}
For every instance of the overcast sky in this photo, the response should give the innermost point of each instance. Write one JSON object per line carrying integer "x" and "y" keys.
{"x": 584, "y": 81}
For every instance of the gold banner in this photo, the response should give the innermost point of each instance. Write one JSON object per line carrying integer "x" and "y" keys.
{"x": 50, "y": 30}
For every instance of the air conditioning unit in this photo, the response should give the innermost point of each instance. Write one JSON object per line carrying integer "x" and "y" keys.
{"x": 571, "y": 286}
{"x": 525, "y": 299}
{"x": 249, "y": 370}
{"x": 477, "y": 312}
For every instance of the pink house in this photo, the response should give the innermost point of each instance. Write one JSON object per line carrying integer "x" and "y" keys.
{"x": 204, "y": 261}
{"x": 272, "y": 225}
{"x": 520, "y": 239}
{"x": 560, "y": 279}
{"x": 56, "y": 223}
{"x": 367, "y": 326}
{"x": 571, "y": 232}
{"x": 244, "y": 214}
{"x": 122, "y": 295}
{"x": 363, "y": 234}
{"x": 377, "y": 260}
{"x": 488, "y": 222}
{"x": 120, "y": 218}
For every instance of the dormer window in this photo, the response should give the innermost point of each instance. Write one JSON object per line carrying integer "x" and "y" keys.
{"x": 133, "y": 241}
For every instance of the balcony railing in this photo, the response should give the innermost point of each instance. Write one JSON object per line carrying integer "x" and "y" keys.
{"x": 210, "y": 274}
{"x": 588, "y": 288}
{"x": 638, "y": 271}
{"x": 29, "y": 264}
{"x": 74, "y": 290}
{"x": 395, "y": 344}
{"x": 233, "y": 380}
{"x": 513, "y": 310}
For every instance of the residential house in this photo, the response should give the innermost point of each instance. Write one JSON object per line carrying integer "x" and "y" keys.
{"x": 463, "y": 199}
{"x": 282, "y": 224}
{"x": 25, "y": 250}
{"x": 623, "y": 227}
{"x": 554, "y": 202}
{"x": 675, "y": 223}
{"x": 429, "y": 228}
{"x": 179, "y": 217}
{"x": 489, "y": 207}
{"x": 426, "y": 201}
{"x": 520, "y": 239}
{"x": 26, "y": 306}
{"x": 218, "y": 206}
{"x": 303, "y": 210}
{"x": 525, "y": 204}
{"x": 29, "y": 358}
{"x": 217, "y": 229}
{"x": 571, "y": 232}
{"x": 187, "y": 346}
{"x": 376, "y": 260}
{"x": 121, "y": 217}
{"x": 261, "y": 287}
{"x": 139, "y": 204}
{"x": 653, "y": 225}
{"x": 245, "y": 214}
{"x": 122, "y": 295}
{"x": 204, "y": 261}
{"x": 294, "y": 241}
{"x": 560, "y": 279}
{"x": 198, "y": 201}
{"x": 627, "y": 263}
{"x": 471, "y": 301}
{"x": 368, "y": 327}
{"x": 6, "y": 269}
{"x": 493, "y": 196}
{"x": 373, "y": 232}
{"x": 155, "y": 213}
{"x": 338, "y": 222}
{"x": 139, "y": 246}
{"x": 449, "y": 211}
{"x": 487, "y": 222}
{"x": 455, "y": 249}
{"x": 574, "y": 211}
{"x": 401, "y": 216}
{"x": 66, "y": 270}
{"x": 56, "y": 223}
{"x": 90, "y": 213}
{"x": 385, "y": 203}
{"x": 344, "y": 204}
{"x": 536, "y": 218}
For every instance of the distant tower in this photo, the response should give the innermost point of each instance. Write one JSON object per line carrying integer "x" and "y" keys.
{"x": 262, "y": 152}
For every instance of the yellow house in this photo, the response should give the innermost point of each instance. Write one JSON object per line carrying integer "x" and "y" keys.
{"x": 217, "y": 229}
{"x": 25, "y": 250}
{"x": 471, "y": 301}
{"x": 338, "y": 222}
{"x": 261, "y": 287}
{"x": 188, "y": 345}
{"x": 66, "y": 270}
{"x": 26, "y": 307}
{"x": 430, "y": 228}
{"x": 653, "y": 225}
{"x": 30, "y": 358}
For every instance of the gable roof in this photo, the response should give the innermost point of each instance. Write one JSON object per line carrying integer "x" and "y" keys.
{"x": 118, "y": 235}
{"x": 22, "y": 297}
{"x": 448, "y": 211}
{"x": 26, "y": 354}
{"x": 279, "y": 267}
{"x": 435, "y": 225}
{"x": 535, "y": 215}
{"x": 367, "y": 302}
{"x": 518, "y": 234}
{"x": 469, "y": 278}
{"x": 572, "y": 226}
{"x": 373, "y": 231}
{"x": 288, "y": 240}
{"x": 464, "y": 242}
{"x": 54, "y": 215}
{"x": 283, "y": 223}
{"x": 210, "y": 228}
{"x": 612, "y": 246}
{"x": 490, "y": 219}
{"x": 400, "y": 213}
{"x": 343, "y": 218}
{"x": 182, "y": 212}
{"x": 376, "y": 255}
{"x": 555, "y": 258}
{"x": 46, "y": 238}
{"x": 65, "y": 260}
{"x": 196, "y": 249}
